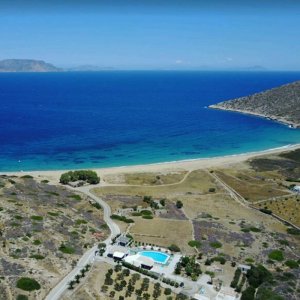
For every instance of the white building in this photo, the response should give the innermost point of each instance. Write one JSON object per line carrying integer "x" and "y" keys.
{"x": 140, "y": 261}
{"x": 227, "y": 293}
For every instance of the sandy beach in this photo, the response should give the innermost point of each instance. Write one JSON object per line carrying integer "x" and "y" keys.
{"x": 165, "y": 167}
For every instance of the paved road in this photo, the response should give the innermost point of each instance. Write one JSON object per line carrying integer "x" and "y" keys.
{"x": 88, "y": 256}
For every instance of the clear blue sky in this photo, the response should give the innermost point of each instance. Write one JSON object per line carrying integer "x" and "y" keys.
{"x": 154, "y": 34}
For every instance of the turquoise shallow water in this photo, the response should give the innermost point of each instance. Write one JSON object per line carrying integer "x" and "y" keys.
{"x": 157, "y": 256}
{"x": 84, "y": 120}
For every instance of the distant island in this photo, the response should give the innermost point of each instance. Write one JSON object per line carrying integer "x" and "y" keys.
{"x": 280, "y": 104}
{"x": 27, "y": 65}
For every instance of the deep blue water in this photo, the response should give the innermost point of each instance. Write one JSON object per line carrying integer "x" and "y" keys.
{"x": 79, "y": 120}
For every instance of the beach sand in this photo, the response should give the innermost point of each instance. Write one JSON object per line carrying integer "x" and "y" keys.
{"x": 166, "y": 167}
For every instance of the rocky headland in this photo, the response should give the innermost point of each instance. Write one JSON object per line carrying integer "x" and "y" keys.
{"x": 281, "y": 104}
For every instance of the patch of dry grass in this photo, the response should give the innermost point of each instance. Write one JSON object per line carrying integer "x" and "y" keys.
{"x": 146, "y": 178}
{"x": 197, "y": 182}
{"x": 89, "y": 289}
{"x": 163, "y": 232}
{"x": 287, "y": 208}
{"x": 252, "y": 188}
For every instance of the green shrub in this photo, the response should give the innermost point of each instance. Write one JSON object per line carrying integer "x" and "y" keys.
{"x": 216, "y": 244}
{"x": 28, "y": 284}
{"x": 53, "y": 214}
{"x": 37, "y": 242}
{"x": 276, "y": 255}
{"x": 220, "y": 259}
{"x": 80, "y": 221}
{"x": 66, "y": 249}
{"x": 283, "y": 242}
{"x": 83, "y": 175}
{"x": 22, "y": 297}
{"x": 174, "y": 248}
{"x": 255, "y": 229}
{"x": 293, "y": 231}
{"x": 147, "y": 217}
{"x": 96, "y": 205}
{"x": 27, "y": 177}
{"x": 37, "y": 256}
{"x": 194, "y": 243}
{"x": 36, "y": 218}
{"x": 292, "y": 264}
{"x": 45, "y": 181}
{"x": 121, "y": 218}
{"x": 75, "y": 197}
{"x": 146, "y": 212}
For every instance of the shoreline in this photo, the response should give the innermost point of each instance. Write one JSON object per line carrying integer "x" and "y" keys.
{"x": 171, "y": 166}
{"x": 247, "y": 112}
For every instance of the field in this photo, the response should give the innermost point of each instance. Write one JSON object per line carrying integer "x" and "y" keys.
{"x": 145, "y": 178}
{"x": 163, "y": 232}
{"x": 285, "y": 207}
{"x": 197, "y": 182}
{"x": 44, "y": 230}
{"x": 251, "y": 186}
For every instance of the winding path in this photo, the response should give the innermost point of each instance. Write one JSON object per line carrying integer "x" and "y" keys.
{"x": 88, "y": 256}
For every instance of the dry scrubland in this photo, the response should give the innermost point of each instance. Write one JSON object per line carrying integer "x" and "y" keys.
{"x": 44, "y": 230}
{"x": 211, "y": 216}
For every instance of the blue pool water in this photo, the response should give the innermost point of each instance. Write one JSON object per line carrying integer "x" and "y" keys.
{"x": 157, "y": 256}
{"x": 104, "y": 119}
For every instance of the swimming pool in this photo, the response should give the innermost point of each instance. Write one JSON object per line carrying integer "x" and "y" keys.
{"x": 158, "y": 257}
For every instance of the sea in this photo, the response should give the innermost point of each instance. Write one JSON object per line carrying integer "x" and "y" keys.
{"x": 76, "y": 120}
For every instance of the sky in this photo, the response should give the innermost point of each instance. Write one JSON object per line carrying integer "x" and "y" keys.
{"x": 160, "y": 34}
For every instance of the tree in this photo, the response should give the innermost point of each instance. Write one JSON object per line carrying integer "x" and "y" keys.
{"x": 71, "y": 285}
{"x": 77, "y": 278}
{"x": 146, "y": 296}
{"x": 112, "y": 294}
{"x": 257, "y": 275}
{"x": 167, "y": 291}
{"x": 179, "y": 204}
{"x": 248, "y": 293}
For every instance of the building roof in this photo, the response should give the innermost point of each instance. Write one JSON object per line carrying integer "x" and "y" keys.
{"x": 200, "y": 297}
{"x": 139, "y": 260}
{"x": 227, "y": 293}
{"x": 147, "y": 261}
{"x": 245, "y": 267}
{"x": 296, "y": 188}
{"x": 123, "y": 239}
{"x": 118, "y": 254}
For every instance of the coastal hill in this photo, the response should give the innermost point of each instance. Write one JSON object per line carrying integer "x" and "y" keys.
{"x": 281, "y": 104}
{"x": 26, "y": 65}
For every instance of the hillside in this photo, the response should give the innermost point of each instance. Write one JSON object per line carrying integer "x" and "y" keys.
{"x": 281, "y": 104}
{"x": 44, "y": 230}
{"x": 26, "y": 65}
